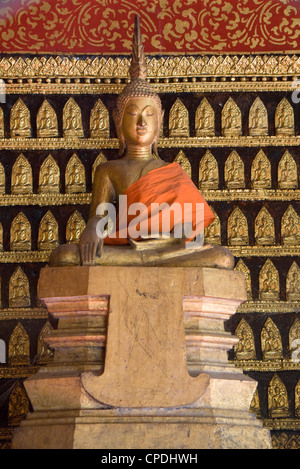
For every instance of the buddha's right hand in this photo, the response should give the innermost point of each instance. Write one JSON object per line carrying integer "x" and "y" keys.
{"x": 90, "y": 245}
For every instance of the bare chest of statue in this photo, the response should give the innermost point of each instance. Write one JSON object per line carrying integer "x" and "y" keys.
{"x": 123, "y": 173}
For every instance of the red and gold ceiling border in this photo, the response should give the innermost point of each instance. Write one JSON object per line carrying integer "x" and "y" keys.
{"x": 168, "y": 26}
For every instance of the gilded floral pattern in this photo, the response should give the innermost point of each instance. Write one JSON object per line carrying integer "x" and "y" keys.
{"x": 106, "y": 26}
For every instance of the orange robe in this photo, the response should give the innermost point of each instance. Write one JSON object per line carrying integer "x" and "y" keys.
{"x": 169, "y": 184}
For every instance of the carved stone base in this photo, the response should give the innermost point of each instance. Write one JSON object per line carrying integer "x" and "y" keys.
{"x": 110, "y": 429}
{"x": 166, "y": 382}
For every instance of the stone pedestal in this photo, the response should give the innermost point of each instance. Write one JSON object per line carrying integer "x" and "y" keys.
{"x": 141, "y": 362}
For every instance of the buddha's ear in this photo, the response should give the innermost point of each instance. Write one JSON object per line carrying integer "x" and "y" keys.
{"x": 122, "y": 143}
{"x": 116, "y": 120}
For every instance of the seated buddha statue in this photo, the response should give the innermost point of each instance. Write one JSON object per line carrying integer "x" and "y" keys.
{"x": 144, "y": 178}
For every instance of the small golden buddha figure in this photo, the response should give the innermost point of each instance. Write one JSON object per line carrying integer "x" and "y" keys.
{"x": 271, "y": 341}
{"x": 179, "y": 120}
{"x": 19, "y": 295}
{"x": 144, "y": 179}
{"x": 72, "y": 120}
{"x": 278, "y": 403}
{"x": 20, "y": 125}
{"x": 269, "y": 285}
{"x": 99, "y": 121}
{"x": 47, "y": 121}
{"x": 284, "y": 118}
{"x": 75, "y": 176}
{"x": 205, "y": 120}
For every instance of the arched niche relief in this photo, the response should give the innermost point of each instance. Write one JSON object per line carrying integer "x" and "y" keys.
{"x": 237, "y": 228}
{"x": 269, "y": 286}
{"x": 208, "y": 172}
{"x": 48, "y": 233}
{"x": 231, "y": 119}
{"x": 179, "y": 120}
{"x": 21, "y": 176}
{"x": 245, "y": 349}
{"x": 184, "y": 163}
{"x": 20, "y": 233}
{"x": 49, "y": 176}
{"x": 284, "y": 119}
{"x": 99, "y": 121}
{"x": 205, "y": 120}
{"x": 19, "y": 294}
{"x": 72, "y": 120}
{"x": 46, "y": 121}
{"x": 258, "y": 119}
{"x": 234, "y": 173}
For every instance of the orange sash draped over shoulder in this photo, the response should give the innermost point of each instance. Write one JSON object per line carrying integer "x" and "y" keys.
{"x": 166, "y": 185}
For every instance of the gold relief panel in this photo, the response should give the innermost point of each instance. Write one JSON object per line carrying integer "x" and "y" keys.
{"x": 284, "y": 119}
{"x": 20, "y": 125}
{"x": 297, "y": 400}
{"x": 19, "y": 347}
{"x": 49, "y": 176}
{"x": 20, "y": 233}
{"x": 264, "y": 228}
{"x": 287, "y": 172}
{"x": 212, "y": 233}
{"x": 290, "y": 227}
{"x": 19, "y": 295}
{"x": 255, "y": 405}
{"x": 237, "y": 228}
{"x": 245, "y": 349}
{"x": 241, "y": 267}
{"x": 75, "y": 176}
{"x": 231, "y": 119}
{"x": 179, "y": 120}
{"x": 258, "y": 118}
{"x": 75, "y": 227}
{"x": 234, "y": 173}
{"x": 184, "y": 163}
{"x": 21, "y": 176}
{"x": 293, "y": 283}
{"x": 99, "y": 121}
{"x": 208, "y": 172}
{"x": 285, "y": 441}
{"x": 72, "y": 120}
{"x": 100, "y": 159}
{"x": 46, "y": 123}
{"x": 48, "y": 233}
{"x": 2, "y": 179}
{"x": 278, "y": 403}
{"x": 269, "y": 282}
{"x": 261, "y": 172}
{"x": 18, "y": 405}
{"x": 205, "y": 120}
{"x": 294, "y": 336}
{"x": 162, "y": 67}
{"x": 44, "y": 353}
{"x": 271, "y": 344}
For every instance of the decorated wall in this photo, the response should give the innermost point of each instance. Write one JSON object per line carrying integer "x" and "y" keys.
{"x": 227, "y": 75}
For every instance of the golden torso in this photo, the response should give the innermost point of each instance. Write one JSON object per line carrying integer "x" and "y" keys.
{"x": 113, "y": 178}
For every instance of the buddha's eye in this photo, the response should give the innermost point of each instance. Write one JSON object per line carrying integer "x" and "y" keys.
{"x": 148, "y": 111}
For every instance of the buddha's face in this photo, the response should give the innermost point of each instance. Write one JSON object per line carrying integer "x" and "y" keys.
{"x": 141, "y": 122}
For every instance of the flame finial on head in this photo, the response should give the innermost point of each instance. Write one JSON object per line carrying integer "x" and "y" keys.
{"x": 138, "y": 67}
{"x": 138, "y": 86}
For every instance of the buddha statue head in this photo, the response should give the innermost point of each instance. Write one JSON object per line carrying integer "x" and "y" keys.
{"x": 138, "y": 94}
